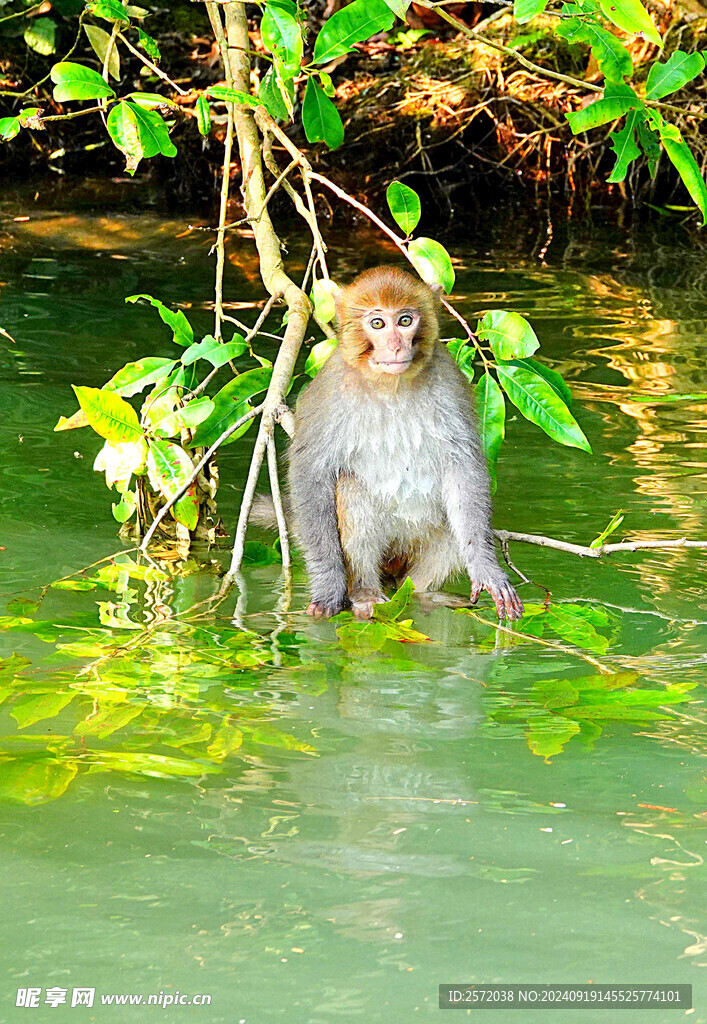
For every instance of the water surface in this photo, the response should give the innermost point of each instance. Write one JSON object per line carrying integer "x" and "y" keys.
{"x": 386, "y": 823}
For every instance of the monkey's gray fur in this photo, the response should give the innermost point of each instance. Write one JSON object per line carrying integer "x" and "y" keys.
{"x": 397, "y": 474}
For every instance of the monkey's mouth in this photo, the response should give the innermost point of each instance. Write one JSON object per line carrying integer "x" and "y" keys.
{"x": 390, "y": 365}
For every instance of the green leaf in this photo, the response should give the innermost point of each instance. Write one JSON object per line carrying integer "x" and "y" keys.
{"x": 463, "y": 355}
{"x": 362, "y": 636}
{"x": 618, "y": 99}
{"x": 215, "y": 352}
{"x": 404, "y": 205}
{"x": 203, "y": 115}
{"x": 120, "y": 460}
{"x": 613, "y": 525}
{"x": 277, "y": 94}
{"x": 170, "y": 468}
{"x": 683, "y": 160}
{"x": 491, "y": 416}
{"x": 154, "y": 135}
{"x": 679, "y": 69}
{"x": 509, "y": 334}
{"x": 40, "y": 35}
{"x": 431, "y": 261}
{"x": 226, "y": 95}
{"x": 540, "y": 404}
{"x": 352, "y": 24}
{"x": 149, "y": 45}
{"x": 123, "y": 509}
{"x": 399, "y": 7}
{"x": 9, "y": 128}
{"x": 631, "y": 16}
{"x": 230, "y": 403}
{"x": 389, "y": 611}
{"x": 281, "y": 36}
{"x": 322, "y": 296}
{"x": 99, "y": 40}
{"x": 150, "y": 100}
{"x": 327, "y": 84}
{"x": 183, "y": 333}
{"x": 613, "y": 58}
{"x": 123, "y": 129}
{"x": 554, "y": 379}
{"x": 189, "y": 416}
{"x": 526, "y": 10}
{"x": 624, "y": 146}
{"x": 135, "y": 377}
{"x": 108, "y": 414}
{"x": 319, "y": 355}
{"x": 649, "y": 145}
{"x": 76, "y": 82}
{"x": 110, "y": 10}
{"x": 320, "y": 117}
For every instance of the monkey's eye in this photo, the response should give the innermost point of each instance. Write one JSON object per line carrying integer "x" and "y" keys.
{"x": 405, "y": 320}
{"x": 377, "y": 323}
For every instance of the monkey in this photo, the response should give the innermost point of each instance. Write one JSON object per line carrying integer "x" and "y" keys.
{"x": 386, "y": 472}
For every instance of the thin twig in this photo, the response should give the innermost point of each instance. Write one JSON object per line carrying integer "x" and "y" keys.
{"x": 153, "y": 67}
{"x": 277, "y": 502}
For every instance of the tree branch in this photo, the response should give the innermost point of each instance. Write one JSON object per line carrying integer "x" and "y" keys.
{"x": 584, "y": 551}
{"x": 234, "y": 45}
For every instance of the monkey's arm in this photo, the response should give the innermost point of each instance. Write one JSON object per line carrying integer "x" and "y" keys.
{"x": 468, "y": 507}
{"x": 313, "y": 475}
{"x": 468, "y": 501}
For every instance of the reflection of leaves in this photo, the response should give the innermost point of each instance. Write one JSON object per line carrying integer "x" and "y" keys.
{"x": 571, "y": 623}
{"x": 108, "y": 720}
{"x": 31, "y": 780}
{"x": 273, "y": 737}
{"x": 227, "y": 739}
{"x": 35, "y": 708}
{"x": 548, "y": 735}
{"x": 555, "y": 710}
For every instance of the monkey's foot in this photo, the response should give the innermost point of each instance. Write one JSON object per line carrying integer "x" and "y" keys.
{"x": 504, "y": 596}
{"x": 325, "y": 609}
{"x": 362, "y": 602}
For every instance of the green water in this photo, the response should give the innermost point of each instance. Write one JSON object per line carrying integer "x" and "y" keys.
{"x": 385, "y": 825}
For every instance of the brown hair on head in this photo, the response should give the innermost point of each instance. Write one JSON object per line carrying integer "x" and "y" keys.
{"x": 386, "y": 288}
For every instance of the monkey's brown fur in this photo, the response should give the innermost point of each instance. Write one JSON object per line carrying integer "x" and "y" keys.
{"x": 391, "y": 288}
{"x": 386, "y": 470}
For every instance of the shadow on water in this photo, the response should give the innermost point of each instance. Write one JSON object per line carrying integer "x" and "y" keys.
{"x": 319, "y": 822}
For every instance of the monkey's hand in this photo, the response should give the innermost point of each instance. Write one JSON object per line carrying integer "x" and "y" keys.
{"x": 508, "y": 604}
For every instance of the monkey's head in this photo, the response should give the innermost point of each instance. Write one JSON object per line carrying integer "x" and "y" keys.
{"x": 388, "y": 323}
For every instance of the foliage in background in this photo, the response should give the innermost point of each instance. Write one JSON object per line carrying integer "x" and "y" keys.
{"x": 299, "y": 86}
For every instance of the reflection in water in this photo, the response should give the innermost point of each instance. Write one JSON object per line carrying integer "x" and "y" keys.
{"x": 320, "y": 827}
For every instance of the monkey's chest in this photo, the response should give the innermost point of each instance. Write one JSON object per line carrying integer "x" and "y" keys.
{"x": 401, "y": 464}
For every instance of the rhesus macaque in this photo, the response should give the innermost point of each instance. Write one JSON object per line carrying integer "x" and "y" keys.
{"x": 386, "y": 473}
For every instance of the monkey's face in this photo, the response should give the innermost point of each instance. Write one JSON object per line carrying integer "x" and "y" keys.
{"x": 387, "y": 324}
{"x": 391, "y": 334}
